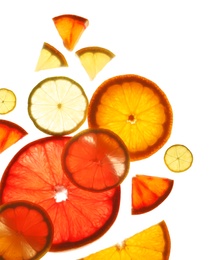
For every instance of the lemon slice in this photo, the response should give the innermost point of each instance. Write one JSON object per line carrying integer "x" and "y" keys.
{"x": 57, "y": 105}
{"x": 178, "y": 158}
{"x": 50, "y": 58}
{"x": 7, "y": 101}
{"x": 94, "y": 59}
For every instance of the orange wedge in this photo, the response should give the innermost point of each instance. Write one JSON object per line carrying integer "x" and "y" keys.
{"x": 152, "y": 243}
{"x": 148, "y": 192}
{"x": 136, "y": 109}
{"x": 178, "y": 158}
{"x": 94, "y": 59}
{"x": 10, "y": 133}
{"x": 70, "y": 28}
{"x": 26, "y": 231}
{"x": 7, "y": 100}
{"x": 50, "y": 58}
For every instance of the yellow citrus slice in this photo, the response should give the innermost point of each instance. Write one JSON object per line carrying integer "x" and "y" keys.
{"x": 94, "y": 59}
{"x": 152, "y": 243}
{"x": 57, "y": 105}
{"x": 136, "y": 109}
{"x": 70, "y": 28}
{"x": 178, "y": 158}
{"x": 50, "y": 58}
{"x": 7, "y": 100}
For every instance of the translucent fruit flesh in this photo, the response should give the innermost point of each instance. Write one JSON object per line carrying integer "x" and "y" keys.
{"x": 7, "y": 100}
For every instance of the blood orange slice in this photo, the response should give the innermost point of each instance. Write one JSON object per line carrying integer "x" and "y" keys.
{"x": 10, "y": 133}
{"x": 35, "y": 174}
{"x": 148, "y": 192}
{"x": 26, "y": 231}
{"x": 96, "y": 160}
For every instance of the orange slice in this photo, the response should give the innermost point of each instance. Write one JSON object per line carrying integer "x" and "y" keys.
{"x": 26, "y": 231}
{"x": 148, "y": 192}
{"x": 178, "y": 158}
{"x": 10, "y": 133}
{"x": 57, "y": 105}
{"x": 152, "y": 243}
{"x": 50, "y": 58}
{"x": 136, "y": 109}
{"x": 96, "y": 160}
{"x": 94, "y": 59}
{"x": 7, "y": 100}
{"x": 70, "y": 28}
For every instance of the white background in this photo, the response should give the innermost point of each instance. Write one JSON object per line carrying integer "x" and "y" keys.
{"x": 174, "y": 44}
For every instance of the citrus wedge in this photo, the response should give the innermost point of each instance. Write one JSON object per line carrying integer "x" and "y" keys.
{"x": 94, "y": 59}
{"x": 148, "y": 192}
{"x": 10, "y": 133}
{"x": 152, "y": 243}
{"x": 26, "y": 231}
{"x": 70, "y": 28}
{"x": 57, "y": 105}
{"x": 7, "y": 100}
{"x": 178, "y": 158}
{"x": 50, "y": 58}
{"x": 35, "y": 174}
{"x": 136, "y": 109}
{"x": 96, "y": 160}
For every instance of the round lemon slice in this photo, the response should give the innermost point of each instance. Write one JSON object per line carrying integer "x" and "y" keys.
{"x": 7, "y": 100}
{"x": 57, "y": 105}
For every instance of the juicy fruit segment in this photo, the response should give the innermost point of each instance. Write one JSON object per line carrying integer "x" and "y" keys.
{"x": 7, "y": 100}
{"x": 96, "y": 160}
{"x": 57, "y": 105}
{"x": 148, "y": 192}
{"x": 50, "y": 58}
{"x": 152, "y": 243}
{"x": 35, "y": 174}
{"x": 178, "y": 158}
{"x": 94, "y": 59}
{"x": 136, "y": 109}
{"x": 10, "y": 133}
{"x": 26, "y": 231}
{"x": 70, "y": 28}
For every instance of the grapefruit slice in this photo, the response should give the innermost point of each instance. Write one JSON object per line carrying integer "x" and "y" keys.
{"x": 50, "y": 58}
{"x": 26, "y": 231}
{"x": 148, "y": 192}
{"x": 96, "y": 160}
{"x": 7, "y": 101}
{"x": 70, "y": 28}
{"x": 152, "y": 243}
{"x": 94, "y": 59}
{"x": 10, "y": 133}
{"x": 35, "y": 174}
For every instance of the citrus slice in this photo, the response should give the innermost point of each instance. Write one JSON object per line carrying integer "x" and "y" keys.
{"x": 94, "y": 59}
{"x": 10, "y": 133}
{"x": 148, "y": 192}
{"x": 35, "y": 174}
{"x": 152, "y": 243}
{"x": 70, "y": 28}
{"x": 26, "y": 231}
{"x": 57, "y": 105}
{"x": 136, "y": 109}
{"x": 50, "y": 58}
{"x": 178, "y": 158}
{"x": 7, "y": 100}
{"x": 96, "y": 160}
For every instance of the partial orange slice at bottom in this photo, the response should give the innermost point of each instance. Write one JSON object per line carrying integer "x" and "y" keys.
{"x": 152, "y": 243}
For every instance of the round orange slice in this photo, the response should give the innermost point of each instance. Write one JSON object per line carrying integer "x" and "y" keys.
{"x": 148, "y": 192}
{"x": 35, "y": 174}
{"x": 7, "y": 100}
{"x": 152, "y": 243}
{"x": 57, "y": 105}
{"x": 96, "y": 160}
{"x": 136, "y": 109}
{"x": 178, "y": 158}
{"x": 26, "y": 231}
